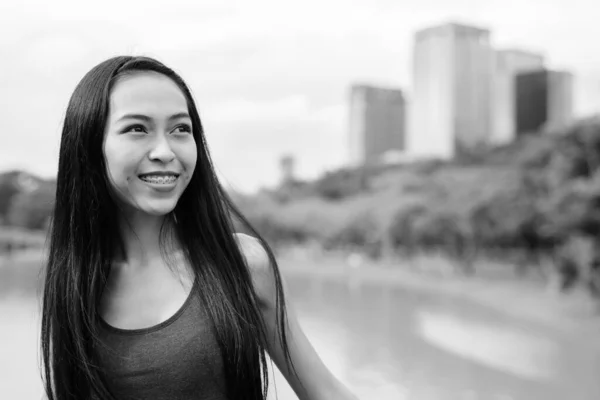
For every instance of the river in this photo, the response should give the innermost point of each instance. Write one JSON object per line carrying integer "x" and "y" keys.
{"x": 385, "y": 342}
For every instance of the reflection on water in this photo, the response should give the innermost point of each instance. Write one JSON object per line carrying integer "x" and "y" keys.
{"x": 506, "y": 349}
{"x": 390, "y": 343}
{"x": 385, "y": 343}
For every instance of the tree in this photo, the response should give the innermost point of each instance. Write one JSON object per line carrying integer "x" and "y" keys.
{"x": 8, "y": 189}
{"x": 32, "y": 209}
{"x": 361, "y": 231}
{"x": 341, "y": 184}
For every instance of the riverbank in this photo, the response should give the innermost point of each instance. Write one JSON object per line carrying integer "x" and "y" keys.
{"x": 528, "y": 299}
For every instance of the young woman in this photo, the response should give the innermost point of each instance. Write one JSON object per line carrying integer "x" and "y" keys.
{"x": 149, "y": 294}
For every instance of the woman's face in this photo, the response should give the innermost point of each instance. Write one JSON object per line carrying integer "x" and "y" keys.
{"x": 149, "y": 148}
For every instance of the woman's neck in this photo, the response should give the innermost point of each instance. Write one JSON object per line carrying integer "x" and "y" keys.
{"x": 141, "y": 239}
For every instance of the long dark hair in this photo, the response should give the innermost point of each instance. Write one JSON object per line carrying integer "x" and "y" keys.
{"x": 81, "y": 247}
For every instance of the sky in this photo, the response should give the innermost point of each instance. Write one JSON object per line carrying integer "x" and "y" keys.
{"x": 270, "y": 77}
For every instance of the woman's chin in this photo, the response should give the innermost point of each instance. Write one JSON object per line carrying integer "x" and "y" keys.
{"x": 158, "y": 210}
{"x": 158, "y": 213}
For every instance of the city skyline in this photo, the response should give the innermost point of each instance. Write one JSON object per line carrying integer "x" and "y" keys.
{"x": 465, "y": 94}
{"x": 260, "y": 94}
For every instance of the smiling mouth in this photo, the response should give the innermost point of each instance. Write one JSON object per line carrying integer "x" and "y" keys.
{"x": 159, "y": 179}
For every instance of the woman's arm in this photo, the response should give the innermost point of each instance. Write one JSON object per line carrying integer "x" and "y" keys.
{"x": 313, "y": 380}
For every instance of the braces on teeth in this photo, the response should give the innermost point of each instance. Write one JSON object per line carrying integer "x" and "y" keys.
{"x": 159, "y": 179}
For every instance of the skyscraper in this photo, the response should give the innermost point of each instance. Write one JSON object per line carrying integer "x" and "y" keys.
{"x": 451, "y": 106}
{"x": 377, "y": 123}
{"x": 544, "y": 98}
{"x": 507, "y": 64}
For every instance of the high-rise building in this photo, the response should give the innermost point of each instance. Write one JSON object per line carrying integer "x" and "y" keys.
{"x": 544, "y": 98}
{"x": 507, "y": 64}
{"x": 451, "y": 104}
{"x": 377, "y": 123}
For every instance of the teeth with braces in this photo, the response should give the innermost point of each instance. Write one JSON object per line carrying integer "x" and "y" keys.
{"x": 159, "y": 179}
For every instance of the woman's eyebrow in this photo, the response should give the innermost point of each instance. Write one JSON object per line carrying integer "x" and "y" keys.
{"x": 179, "y": 115}
{"x": 148, "y": 119}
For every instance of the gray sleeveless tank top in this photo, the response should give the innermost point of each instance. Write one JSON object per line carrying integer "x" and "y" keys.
{"x": 178, "y": 359}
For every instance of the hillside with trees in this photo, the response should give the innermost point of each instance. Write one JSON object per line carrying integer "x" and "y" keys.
{"x": 534, "y": 204}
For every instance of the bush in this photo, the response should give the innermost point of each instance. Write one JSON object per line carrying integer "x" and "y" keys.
{"x": 341, "y": 184}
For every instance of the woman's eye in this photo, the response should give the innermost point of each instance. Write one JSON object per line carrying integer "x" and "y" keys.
{"x": 135, "y": 128}
{"x": 184, "y": 128}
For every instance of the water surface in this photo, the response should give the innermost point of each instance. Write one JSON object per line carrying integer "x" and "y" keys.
{"x": 386, "y": 343}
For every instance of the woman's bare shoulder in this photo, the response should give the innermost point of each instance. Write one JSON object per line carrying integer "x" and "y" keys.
{"x": 259, "y": 266}
{"x": 255, "y": 254}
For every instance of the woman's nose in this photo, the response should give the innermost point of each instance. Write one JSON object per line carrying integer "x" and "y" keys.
{"x": 161, "y": 150}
